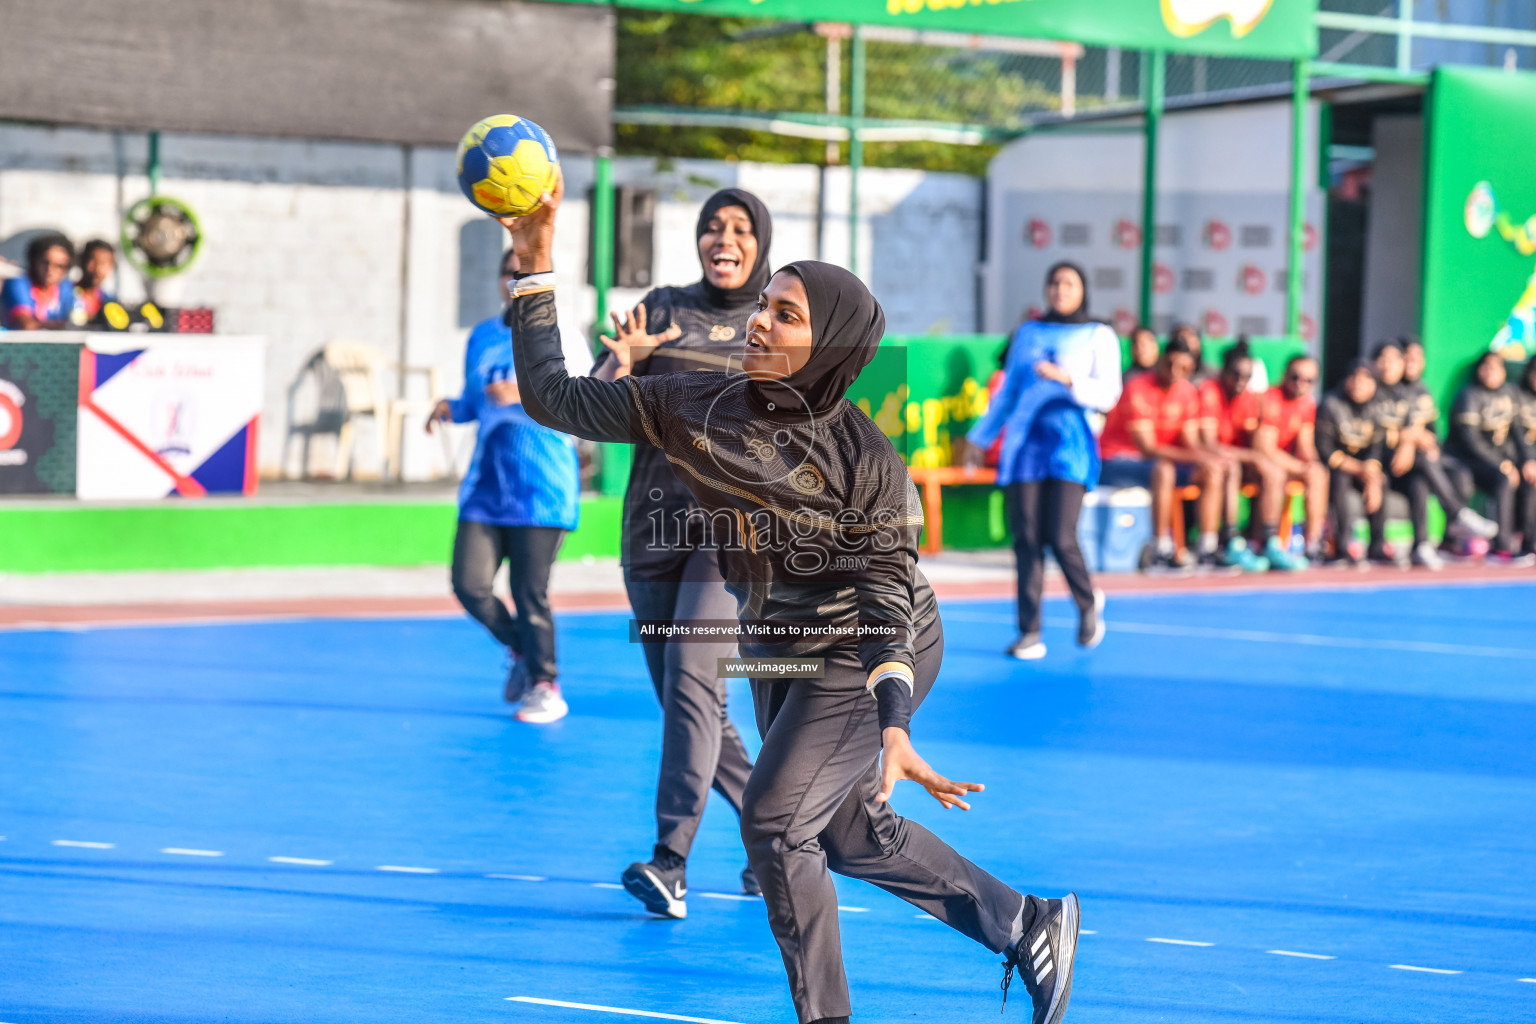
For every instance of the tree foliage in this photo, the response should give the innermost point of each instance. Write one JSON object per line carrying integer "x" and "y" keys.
{"x": 689, "y": 60}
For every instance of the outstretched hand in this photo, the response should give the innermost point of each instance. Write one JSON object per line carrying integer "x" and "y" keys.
{"x": 632, "y": 341}
{"x": 899, "y": 761}
{"x": 533, "y": 234}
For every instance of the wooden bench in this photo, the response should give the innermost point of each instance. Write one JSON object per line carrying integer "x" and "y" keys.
{"x": 932, "y": 481}
{"x": 1293, "y": 489}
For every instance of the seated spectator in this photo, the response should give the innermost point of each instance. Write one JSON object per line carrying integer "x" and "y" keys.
{"x": 98, "y": 261}
{"x": 1485, "y": 436}
{"x": 1144, "y": 351}
{"x": 43, "y": 298}
{"x": 1414, "y": 468}
{"x": 1286, "y": 438}
{"x": 1152, "y": 439}
{"x": 1229, "y": 421}
{"x": 1191, "y": 336}
{"x": 1351, "y": 442}
{"x": 1527, "y": 394}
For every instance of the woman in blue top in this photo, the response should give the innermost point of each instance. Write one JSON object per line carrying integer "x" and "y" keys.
{"x": 43, "y": 298}
{"x": 516, "y": 503}
{"x": 1060, "y": 372}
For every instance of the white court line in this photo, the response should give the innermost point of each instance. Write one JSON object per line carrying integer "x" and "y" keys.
{"x": 82, "y": 844}
{"x": 606, "y": 885}
{"x": 853, "y": 910}
{"x": 521, "y": 878}
{"x": 1086, "y": 931}
{"x": 615, "y": 1009}
{"x": 406, "y": 870}
{"x": 1304, "y": 956}
{"x": 926, "y": 917}
{"x": 1421, "y": 970}
{"x": 300, "y": 860}
{"x": 1308, "y": 639}
{"x": 729, "y": 896}
{"x": 1531, "y": 980}
{"x": 1181, "y": 942}
{"x": 182, "y": 851}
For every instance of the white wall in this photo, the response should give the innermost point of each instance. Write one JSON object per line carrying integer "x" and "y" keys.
{"x": 1232, "y": 163}
{"x": 303, "y": 240}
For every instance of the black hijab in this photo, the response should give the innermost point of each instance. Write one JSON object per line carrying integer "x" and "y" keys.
{"x": 1077, "y": 316}
{"x": 846, "y": 327}
{"x": 762, "y": 230}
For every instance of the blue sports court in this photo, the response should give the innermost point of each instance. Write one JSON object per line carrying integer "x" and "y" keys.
{"x": 1311, "y": 805}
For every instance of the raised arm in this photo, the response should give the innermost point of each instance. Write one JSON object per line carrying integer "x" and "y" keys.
{"x": 597, "y": 410}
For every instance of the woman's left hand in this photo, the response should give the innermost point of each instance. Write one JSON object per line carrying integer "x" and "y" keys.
{"x": 1050, "y": 371}
{"x": 899, "y": 761}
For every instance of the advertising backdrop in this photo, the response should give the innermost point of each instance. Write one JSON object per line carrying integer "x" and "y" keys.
{"x": 169, "y": 416}
{"x": 1479, "y": 222}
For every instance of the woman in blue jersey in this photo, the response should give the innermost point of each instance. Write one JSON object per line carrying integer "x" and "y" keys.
{"x": 516, "y": 503}
{"x": 1061, "y": 372}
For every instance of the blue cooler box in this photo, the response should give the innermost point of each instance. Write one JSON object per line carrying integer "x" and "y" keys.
{"x": 1115, "y": 525}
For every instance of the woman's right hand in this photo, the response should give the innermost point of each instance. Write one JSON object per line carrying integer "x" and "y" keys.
{"x": 632, "y": 342}
{"x": 971, "y": 456}
{"x": 442, "y": 412}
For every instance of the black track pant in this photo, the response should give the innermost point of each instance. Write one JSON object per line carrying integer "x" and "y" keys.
{"x": 1428, "y": 476}
{"x": 529, "y": 551}
{"x": 1340, "y": 484}
{"x": 700, "y": 748}
{"x": 810, "y": 807}
{"x": 1040, "y": 515}
{"x": 1504, "y": 498}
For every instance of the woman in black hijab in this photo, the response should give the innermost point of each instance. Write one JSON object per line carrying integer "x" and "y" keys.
{"x": 667, "y": 547}
{"x": 821, "y": 559}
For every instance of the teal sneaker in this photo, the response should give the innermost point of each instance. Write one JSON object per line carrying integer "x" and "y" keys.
{"x": 1237, "y": 555}
{"x": 1282, "y": 560}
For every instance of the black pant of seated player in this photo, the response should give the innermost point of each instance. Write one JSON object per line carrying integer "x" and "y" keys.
{"x": 1429, "y": 477}
{"x": 1340, "y": 484}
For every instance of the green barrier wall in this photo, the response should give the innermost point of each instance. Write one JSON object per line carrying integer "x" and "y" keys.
{"x": 57, "y": 537}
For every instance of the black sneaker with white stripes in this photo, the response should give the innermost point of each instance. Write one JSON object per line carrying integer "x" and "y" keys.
{"x": 1043, "y": 958}
{"x": 661, "y": 887}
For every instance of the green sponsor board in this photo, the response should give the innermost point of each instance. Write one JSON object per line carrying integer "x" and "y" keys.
{"x": 1244, "y": 28}
{"x": 1479, "y": 222}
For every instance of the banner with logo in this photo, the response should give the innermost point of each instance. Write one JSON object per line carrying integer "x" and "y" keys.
{"x": 1237, "y": 28}
{"x": 163, "y": 415}
{"x": 37, "y": 417}
{"x": 1479, "y": 222}
{"x": 1219, "y": 261}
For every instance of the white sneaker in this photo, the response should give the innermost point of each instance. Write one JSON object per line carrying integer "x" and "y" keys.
{"x": 1425, "y": 555}
{"x": 542, "y": 705}
{"x": 1027, "y": 648}
{"x": 1478, "y": 526}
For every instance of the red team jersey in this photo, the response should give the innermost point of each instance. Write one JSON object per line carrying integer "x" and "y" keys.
{"x": 1144, "y": 401}
{"x": 1288, "y": 415}
{"x": 1237, "y": 419}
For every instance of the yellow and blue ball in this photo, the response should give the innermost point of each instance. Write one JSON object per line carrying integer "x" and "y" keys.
{"x": 505, "y": 163}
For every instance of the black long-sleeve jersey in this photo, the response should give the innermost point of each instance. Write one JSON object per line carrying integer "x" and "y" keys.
{"x": 812, "y": 526}
{"x": 1526, "y": 414}
{"x": 1483, "y": 426}
{"x": 661, "y": 520}
{"x": 1402, "y": 406}
{"x": 1347, "y": 429}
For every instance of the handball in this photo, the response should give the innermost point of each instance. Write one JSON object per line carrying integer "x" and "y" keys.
{"x": 505, "y": 163}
